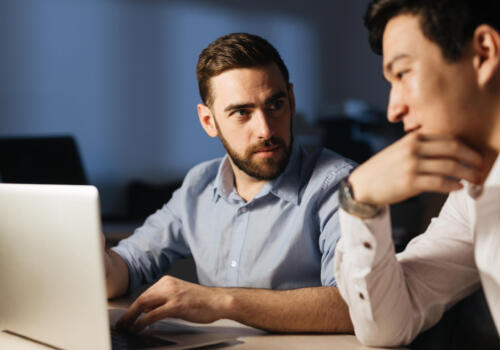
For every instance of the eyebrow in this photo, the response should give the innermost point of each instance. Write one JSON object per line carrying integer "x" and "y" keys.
{"x": 276, "y": 96}
{"x": 237, "y": 106}
{"x": 388, "y": 66}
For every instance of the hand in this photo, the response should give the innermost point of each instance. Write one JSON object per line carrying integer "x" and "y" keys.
{"x": 417, "y": 163}
{"x": 172, "y": 297}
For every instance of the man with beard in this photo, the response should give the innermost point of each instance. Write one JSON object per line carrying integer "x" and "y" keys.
{"x": 261, "y": 223}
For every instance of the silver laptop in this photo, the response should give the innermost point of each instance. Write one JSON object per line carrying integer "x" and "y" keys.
{"x": 52, "y": 282}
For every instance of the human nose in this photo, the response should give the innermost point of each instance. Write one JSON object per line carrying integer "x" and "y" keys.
{"x": 263, "y": 128}
{"x": 397, "y": 109}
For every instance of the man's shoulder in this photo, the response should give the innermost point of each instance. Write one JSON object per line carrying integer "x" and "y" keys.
{"x": 327, "y": 167}
{"x": 335, "y": 160}
{"x": 202, "y": 174}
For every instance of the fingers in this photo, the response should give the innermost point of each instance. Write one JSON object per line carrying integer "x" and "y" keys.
{"x": 449, "y": 168}
{"x": 416, "y": 163}
{"x": 448, "y": 147}
{"x": 443, "y": 161}
{"x": 150, "y": 300}
{"x": 436, "y": 183}
{"x": 151, "y": 317}
{"x": 142, "y": 304}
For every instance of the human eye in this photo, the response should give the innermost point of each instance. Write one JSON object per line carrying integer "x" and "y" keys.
{"x": 401, "y": 74}
{"x": 240, "y": 113}
{"x": 276, "y": 105}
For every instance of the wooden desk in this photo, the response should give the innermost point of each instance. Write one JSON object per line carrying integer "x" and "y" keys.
{"x": 247, "y": 338}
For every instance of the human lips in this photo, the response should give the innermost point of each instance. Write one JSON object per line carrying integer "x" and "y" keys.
{"x": 266, "y": 152}
{"x": 413, "y": 128}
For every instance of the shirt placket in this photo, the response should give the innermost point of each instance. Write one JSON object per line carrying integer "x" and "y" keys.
{"x": 238, "y": 240}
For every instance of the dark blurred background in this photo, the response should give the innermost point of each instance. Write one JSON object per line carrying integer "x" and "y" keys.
{"x": 119, "y": 76}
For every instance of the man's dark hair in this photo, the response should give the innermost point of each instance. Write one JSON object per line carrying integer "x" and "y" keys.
{"x": 448, "y": 23}
{"x": 237, "y": 50}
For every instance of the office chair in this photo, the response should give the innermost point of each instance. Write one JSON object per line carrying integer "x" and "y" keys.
{"x": 41, "y": 160}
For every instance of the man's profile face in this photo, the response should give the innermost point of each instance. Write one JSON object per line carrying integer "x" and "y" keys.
{"x": 252, "y": 108}
{"x": 428, "y": 93}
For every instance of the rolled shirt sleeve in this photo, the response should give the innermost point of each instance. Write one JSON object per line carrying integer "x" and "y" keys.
{"x": 329, "y": 227}
{"x": 155, "y": 246}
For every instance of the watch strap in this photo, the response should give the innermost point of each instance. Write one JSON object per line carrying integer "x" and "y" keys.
{"x": 353, "y": 207}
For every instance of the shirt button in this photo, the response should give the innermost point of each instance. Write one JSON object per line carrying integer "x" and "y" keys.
{"x": 367, "y": 245}
{"x": 361, "y": 296}
{"x": 243, "y": 210}
{"x": 234, "y": 263}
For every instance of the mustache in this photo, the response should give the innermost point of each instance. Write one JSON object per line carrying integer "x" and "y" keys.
{"x": 270, "y": 142}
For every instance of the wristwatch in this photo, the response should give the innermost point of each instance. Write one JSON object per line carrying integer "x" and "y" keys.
{"x": 353, "y": 207}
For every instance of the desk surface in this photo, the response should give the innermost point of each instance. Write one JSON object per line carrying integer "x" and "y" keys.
{"x": 247, "y": 338}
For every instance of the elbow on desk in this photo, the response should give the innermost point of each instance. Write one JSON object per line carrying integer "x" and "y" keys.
{"x": 384, "y": 335}
{"x": 385, "y": 326}
{"x": 378, "y": 339}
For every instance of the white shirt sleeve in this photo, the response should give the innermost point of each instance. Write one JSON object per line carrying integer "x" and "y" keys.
{"x": 392, "y": 297}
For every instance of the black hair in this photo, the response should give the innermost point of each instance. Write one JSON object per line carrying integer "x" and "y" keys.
{"x": 448, "y": 23}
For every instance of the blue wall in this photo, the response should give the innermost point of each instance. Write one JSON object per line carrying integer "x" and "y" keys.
{"x": 120, "y": 75}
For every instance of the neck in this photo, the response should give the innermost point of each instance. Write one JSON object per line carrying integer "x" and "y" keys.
{"x": 490, "y": 103}
{"x": 485, "y": 133}
{"x": 246, "y": 185}
{"x": 489, "y": 159}
{"x": 494, "y": 133}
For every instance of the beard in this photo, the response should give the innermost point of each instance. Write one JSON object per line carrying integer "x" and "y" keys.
{"x": 260, "y": 168}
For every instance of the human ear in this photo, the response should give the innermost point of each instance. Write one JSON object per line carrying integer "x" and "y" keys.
{"x": 207, "y": 120}
{"x": 486, "y": 44}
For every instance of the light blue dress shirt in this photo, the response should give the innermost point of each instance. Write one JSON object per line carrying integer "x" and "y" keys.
{"x": 284, "y": 238}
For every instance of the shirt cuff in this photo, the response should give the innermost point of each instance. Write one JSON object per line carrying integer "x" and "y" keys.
{"x": 368, "y": 240}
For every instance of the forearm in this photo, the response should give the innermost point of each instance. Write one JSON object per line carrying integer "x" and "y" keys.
{"x": 393, "y": 298}
{"x": 372, "y": 283}
{"x": 318, "y": 309}
{"x": 117, "y": 277}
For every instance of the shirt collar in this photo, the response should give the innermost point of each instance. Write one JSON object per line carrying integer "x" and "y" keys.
{"x": 493, "y": 180}
{"x": 224, "y": 180}
{"x": 285, "y": 187}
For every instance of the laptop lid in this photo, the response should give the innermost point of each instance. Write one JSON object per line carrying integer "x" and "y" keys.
{"x": 51, "y": 266}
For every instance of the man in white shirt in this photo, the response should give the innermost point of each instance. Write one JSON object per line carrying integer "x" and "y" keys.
{"x": 442, "y": 59}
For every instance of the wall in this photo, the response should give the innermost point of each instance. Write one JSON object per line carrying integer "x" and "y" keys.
{"x": 119, "y": 75}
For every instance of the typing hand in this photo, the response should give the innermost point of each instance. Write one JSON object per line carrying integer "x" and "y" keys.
{"x": 172, "y": 297}
{"x": 416, "y": 163}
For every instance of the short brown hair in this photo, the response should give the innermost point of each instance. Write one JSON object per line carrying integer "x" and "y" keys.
{"x": 236, "y": 50}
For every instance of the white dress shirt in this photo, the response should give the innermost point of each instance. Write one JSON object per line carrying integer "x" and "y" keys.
{"x": 392, "y": 298}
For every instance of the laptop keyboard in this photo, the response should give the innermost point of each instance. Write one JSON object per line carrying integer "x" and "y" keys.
{"x": 122, "y": 340}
